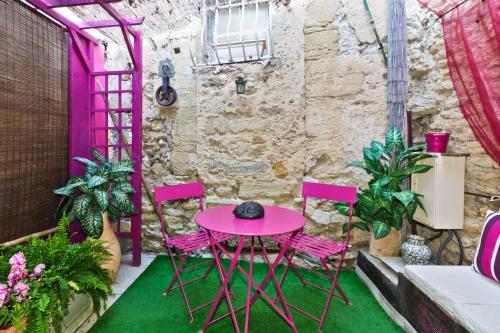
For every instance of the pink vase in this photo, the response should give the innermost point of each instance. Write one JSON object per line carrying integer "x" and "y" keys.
{"x": 437, "y": 141}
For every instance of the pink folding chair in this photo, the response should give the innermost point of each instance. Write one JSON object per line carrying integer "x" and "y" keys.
{"x": 319, "y": 247}
{"x": 186, "y": 243}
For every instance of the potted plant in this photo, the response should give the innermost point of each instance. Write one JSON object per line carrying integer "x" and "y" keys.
{"x": 383, "y": 205}
{"x": 38, "y": 280}
{"x": 100, "y": 195}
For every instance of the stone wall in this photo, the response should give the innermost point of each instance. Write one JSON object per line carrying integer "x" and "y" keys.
{"x": 305, "y": 114}
{"x": 435, "y": 107}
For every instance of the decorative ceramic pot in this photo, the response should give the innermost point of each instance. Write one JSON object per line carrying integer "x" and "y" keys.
{"x": 415, "y": 252}
{"x": 113, "y": 246}
{"x": 437, "y": 141}
{"x": 387, "y": 246}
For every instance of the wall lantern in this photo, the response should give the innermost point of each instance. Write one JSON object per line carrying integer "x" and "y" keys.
{"x": 240, "y": 85}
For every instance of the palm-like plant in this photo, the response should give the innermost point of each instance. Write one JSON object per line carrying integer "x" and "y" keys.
{"x": 384, "y": 203}
{"x": 104, "y": 188}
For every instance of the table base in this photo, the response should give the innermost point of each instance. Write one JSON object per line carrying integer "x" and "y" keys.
{"x": 251, "y": 298}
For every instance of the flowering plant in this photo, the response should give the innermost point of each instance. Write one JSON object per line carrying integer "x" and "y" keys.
{"x": 38, "y": 280}
{"x": 15, "y": 294}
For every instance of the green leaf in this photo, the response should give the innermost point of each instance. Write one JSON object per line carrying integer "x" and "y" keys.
{"x": 405, "y": 197}
{"x": 360, "y": 225}
{"x": 380, "y": 229}
{"x": 410, "y": 211}
{"x": 126, "y": 166}
{"x": 342, "y": 208}
{"x": 370, "y": 154}
{"x": 357, "y": 164}
{"x": 95, "y": 181}
{"x": 370, "y": 204}
{"x": 125, "y": 187}
{"x": 86, "y": 162}
{"x": 420, "y": 203}
{"x": 378, "y": 147}
{"x": 98, "y": 156}
{"x": 91, "y": 171}
{"x": 377, "y": 186}
{"x": 419, "y": 157}
{"x": 102, "y": 198}
{"x": 122, "y": 202}
{"x": 393, "y": 138}
{"x": 81, "y": 206}
{"x": 92, "y": 222}
{"x": 420, "y": 168}
{"x": 66, "y": 191}
{"x": 113, "y": 212}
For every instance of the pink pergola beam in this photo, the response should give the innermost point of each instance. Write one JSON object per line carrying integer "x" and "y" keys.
{"x": 126, "y": 29}
{"x": 110, "y": 23}
{"x": 41, "y": 6}
{"x": 72, "y": 3}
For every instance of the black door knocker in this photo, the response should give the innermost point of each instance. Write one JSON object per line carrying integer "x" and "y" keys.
{"x": 166, "y": 94}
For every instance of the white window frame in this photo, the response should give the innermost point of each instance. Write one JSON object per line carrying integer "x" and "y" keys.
{"x": 217, "y": 52}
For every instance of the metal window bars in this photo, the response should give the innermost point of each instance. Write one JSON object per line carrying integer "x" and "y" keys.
{"x": 232, "y": 31}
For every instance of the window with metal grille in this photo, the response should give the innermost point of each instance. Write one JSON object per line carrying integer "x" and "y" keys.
{"x": 236, "y": 31}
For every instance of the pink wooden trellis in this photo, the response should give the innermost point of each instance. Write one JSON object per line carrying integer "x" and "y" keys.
{"x": 103, "y": 115}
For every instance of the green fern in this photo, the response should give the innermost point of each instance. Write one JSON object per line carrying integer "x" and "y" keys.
{"x": 70, "y": 269}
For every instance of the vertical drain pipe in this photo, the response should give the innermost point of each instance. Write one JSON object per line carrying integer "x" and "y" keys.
{"x": 374, "y": 28}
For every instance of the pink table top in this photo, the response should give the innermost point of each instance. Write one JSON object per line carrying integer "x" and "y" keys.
{"x": 276, "y": 221}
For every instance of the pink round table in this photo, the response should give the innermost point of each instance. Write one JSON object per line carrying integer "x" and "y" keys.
{"x": 276, "y": 221}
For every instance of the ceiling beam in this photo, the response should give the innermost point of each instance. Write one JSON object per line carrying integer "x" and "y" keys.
{"x": 42, "y": 6}
{"x": 110, "y": 23}
{"x": 72, "y": 3}
{"x": 125, "y": 28}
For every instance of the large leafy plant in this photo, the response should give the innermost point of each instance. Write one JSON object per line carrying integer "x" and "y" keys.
{"x": 385, "y": 203}
{"x": 38, "y": 279}
{"x": 103, "y": 188}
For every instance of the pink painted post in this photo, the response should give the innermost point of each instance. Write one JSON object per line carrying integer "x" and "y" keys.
{"x": 89, "y": 104}
{"x": 137, "y": 150}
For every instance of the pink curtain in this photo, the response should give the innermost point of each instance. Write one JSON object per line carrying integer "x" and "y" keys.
{"x": 472, "y": 39}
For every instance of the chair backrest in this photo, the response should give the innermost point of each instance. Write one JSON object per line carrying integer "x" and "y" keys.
{"x": 177, "y": 192}
{"x": 331, "y": 192}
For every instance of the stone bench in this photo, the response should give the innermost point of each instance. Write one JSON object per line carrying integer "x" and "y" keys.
{"x": 470, "y": 298}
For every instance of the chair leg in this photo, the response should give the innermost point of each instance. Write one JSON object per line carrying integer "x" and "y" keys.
{"x": 170, "y": 286}
{"x": 181, "y": 285}
{"x": 295, "y": 270}
{"x": 285, "y": 272}
{"x": 332, "y": 277}
{"x": 332, "y": 289}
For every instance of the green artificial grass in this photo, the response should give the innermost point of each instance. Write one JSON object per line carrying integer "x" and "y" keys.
{"x": 143, "y": 308}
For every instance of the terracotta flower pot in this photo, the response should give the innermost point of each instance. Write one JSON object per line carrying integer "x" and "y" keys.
{"x": 12, "y": 329}
{"x": 113, "y": 246}
{"x": 387, "y": 246}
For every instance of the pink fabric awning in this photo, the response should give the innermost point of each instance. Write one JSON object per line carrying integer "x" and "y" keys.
{"x": 472, "y": 39}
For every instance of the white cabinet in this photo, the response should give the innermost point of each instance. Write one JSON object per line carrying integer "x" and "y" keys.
{"x": 443, "y": 191}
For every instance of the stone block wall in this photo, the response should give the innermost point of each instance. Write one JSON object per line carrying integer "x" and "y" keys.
{"x": 435, "y": 107}
{"x": 306, "y": 113}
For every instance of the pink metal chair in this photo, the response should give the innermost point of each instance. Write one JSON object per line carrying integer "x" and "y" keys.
{"x": 186, "y": 243}
{"x": 320, "y": 247}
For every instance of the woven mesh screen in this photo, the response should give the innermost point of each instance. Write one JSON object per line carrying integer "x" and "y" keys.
{"x": 33, "y": 119}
